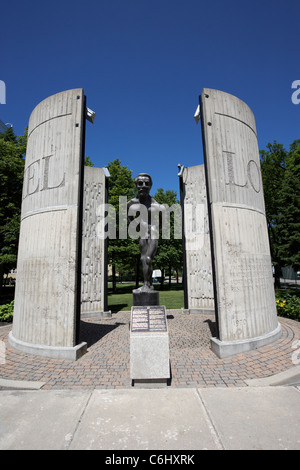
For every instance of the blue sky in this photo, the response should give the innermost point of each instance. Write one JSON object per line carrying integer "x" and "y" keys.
{"x": 143, "y": 64}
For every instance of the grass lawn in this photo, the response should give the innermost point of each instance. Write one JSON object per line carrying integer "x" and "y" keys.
{"x": 171, "y": 298}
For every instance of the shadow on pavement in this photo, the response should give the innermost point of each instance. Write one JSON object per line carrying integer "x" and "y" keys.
{"x": 91, "y": 333}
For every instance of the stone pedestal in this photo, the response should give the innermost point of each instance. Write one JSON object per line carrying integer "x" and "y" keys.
{"x": 149, "y": 347}
{"x": 145, "y": 298}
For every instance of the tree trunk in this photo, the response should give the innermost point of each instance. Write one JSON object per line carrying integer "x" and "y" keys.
{"x": 277, "y": 277}
{"x": 114, "y": 282}
{"x": 1, "y": 277}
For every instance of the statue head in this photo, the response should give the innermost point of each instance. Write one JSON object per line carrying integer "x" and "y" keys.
{"x": 143, "y": 183}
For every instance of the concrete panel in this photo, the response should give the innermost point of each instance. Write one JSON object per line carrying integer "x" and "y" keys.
{"x": 44, "y": 420}
{"x": 149, "y": 344}
{"x": 244, "y": 281}
{"x": 169, "y": 419}
{"x": 149, "y": 356}
{"x": 93, "y": 276}
{"x": 46, "y": 300}
{"x": 262, "y": 418}
{"x": 199, "y": 281}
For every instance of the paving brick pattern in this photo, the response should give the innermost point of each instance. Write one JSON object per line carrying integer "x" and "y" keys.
{"x": 106, "y": 364}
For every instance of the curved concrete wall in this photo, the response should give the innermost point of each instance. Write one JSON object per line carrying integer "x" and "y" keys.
{"x": 46, "y": 300}
{"x": 246, "y": 305}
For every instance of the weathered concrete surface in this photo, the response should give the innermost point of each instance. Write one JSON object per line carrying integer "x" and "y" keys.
{"x": 93, "y": 278}
{"x": 149, "y": 355}
{"x": 46, "y": 302}
{"x": 288, "y": 377}
{"x": 40, "y": 421}
{"x": 244, "y": 281}
{"x": 254, "y": 418}
{"x": 144, "y": 419}
{"x": 149, "y": 344}
{"x": 196, "y": 239}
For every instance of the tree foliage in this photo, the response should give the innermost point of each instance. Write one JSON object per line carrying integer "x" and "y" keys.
{"x": 88, "y": 161}
{"x": 12, "y": 151}
{"x": 169, "y": 253}
{"x": 281, "y": 182}
{"x": 123, "y": 254}
{"x": 289, "y": 211}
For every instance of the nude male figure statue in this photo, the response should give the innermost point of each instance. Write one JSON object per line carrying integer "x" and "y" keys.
{"x": 150, "y": 214}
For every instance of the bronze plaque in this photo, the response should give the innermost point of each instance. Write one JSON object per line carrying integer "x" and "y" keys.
{"x": 148, "y": 319}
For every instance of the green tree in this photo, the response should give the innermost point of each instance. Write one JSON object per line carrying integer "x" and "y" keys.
{"x": 8, "y": 135}
{"x": 289, "y": 210}
{"x": 88, "y": 161}
{"x": 123, "y": 254}
{"x": 12, "y": 151}
{"x": 280, "y": 174}
{"x": 169, "y": 253}
{"x": 273, "y": 164}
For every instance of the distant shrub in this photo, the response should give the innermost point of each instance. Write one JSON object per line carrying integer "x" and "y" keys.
{"x": 7, "y": 312}
{"x": 288, "y": 305}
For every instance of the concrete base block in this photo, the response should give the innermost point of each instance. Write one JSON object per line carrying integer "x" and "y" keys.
{"x": 149, "y": 347}
{"x": 96, "y": 315}
{"x": 203, "y": 311}
{"x": 154, "y": 383}
{"x": 54, "y": 352}
{"x": 228, "y": 348}
{"x": 149, "y": 356}
{"x": 145, "y": 298}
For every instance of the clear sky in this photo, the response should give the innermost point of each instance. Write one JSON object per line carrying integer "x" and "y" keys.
{"x": 143, "y": 64}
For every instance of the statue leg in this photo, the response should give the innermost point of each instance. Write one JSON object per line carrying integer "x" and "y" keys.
{"x": 151, "y": 251}
{"x": 148, "y": 250}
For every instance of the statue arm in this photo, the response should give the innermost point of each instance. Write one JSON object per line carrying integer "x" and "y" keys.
{"x": 130, "y": 218}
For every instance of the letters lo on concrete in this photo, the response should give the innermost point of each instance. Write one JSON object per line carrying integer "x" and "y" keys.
{"x": 245, "y": 298}
{"x": 46, "y": 314}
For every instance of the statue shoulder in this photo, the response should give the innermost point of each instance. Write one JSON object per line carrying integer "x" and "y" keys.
{"x": 133, "y": 201}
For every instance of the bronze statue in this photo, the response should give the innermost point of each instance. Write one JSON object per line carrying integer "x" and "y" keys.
{"x": 150, "y": 212}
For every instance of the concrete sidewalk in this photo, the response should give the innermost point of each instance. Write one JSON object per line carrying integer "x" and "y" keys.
{"x": 253, "y": 417}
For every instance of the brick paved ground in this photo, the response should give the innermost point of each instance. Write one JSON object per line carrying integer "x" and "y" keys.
{"x": 106, "y": 364}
